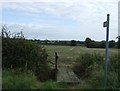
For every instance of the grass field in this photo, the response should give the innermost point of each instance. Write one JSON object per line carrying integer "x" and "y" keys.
{"x": 67, "y": 57}
{"x": 69, "y": 54}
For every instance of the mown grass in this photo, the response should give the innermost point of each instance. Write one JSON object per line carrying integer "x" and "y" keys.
{"x": 66, "y": 52}
{"x": 68, "y": 56}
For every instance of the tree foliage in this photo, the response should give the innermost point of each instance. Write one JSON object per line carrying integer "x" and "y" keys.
{"x": 96, "y": 44}
{"x": 20, "y": 53}
{"x": 87, "y": 42}
{"x": 118, "y": 42}
{"x": 73, "y": 43}
{"x": 112, "y": 43}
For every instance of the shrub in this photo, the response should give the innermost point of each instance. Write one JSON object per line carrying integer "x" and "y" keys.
{"x": 86, "y": 62}
{"x": 25, "y": 54}
{"x": 21, "y": 53}
{"x": 95, "y": 71}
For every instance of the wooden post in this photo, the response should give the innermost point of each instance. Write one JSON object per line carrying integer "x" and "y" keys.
{"x": 56, "y": 58}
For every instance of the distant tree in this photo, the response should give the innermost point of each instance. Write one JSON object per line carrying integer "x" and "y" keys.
{"x": 87, "y": 42}
{"x": 73, "y": 43}
{"x": 102, "y": 44}
{"x": 46, "y": 42}
{"x": 94, "y": 44}
{"x": 118, "y": 42}
{"x": 112, "y": 43}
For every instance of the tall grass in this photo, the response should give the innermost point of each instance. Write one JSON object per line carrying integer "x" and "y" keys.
{"x": 93, "y": 66}
{"x": 15, "y": 79}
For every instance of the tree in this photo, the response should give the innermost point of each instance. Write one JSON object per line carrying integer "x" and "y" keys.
{"x": 87, "y": 42}
{"x": 73, "y": 43}
{"x": 112, "y": 43}
{"x": 118, "y": 42}
{"x": 102, "y": 44}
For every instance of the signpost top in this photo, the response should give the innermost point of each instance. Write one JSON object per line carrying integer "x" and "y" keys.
{"x": 108, "y": 14}
{"x": 106, "y": 23}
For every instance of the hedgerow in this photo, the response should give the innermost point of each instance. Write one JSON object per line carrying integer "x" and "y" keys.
{"x": 21, "y": 53}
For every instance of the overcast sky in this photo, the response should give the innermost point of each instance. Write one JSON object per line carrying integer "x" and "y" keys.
{"x": 60, "y": 19}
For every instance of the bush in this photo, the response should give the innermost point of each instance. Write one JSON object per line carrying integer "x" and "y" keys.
{"x": 25, "y": 54}
{"x": 21, "y": 53}
{"x": 86, "y": 62}
{"x": 95, "y": 71}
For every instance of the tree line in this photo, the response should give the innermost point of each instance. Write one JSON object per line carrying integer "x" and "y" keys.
{"x": 58, "y": 42}
{"x": 102, "y": 44}
{"x": 89, "y": 43}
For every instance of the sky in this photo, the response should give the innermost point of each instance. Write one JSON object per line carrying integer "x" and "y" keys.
{"x": 60, "y": 19}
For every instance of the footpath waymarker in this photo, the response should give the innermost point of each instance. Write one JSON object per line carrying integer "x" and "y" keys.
{"x": 106, "y": 24}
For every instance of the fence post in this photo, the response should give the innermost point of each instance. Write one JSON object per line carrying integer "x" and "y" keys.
{"x": 56, "y": 58}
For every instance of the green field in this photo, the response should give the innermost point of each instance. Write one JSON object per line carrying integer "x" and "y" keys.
{"x": 69, "y": 54}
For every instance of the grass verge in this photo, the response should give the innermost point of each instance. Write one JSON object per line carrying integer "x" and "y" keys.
{"x": 15, "y": 79}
